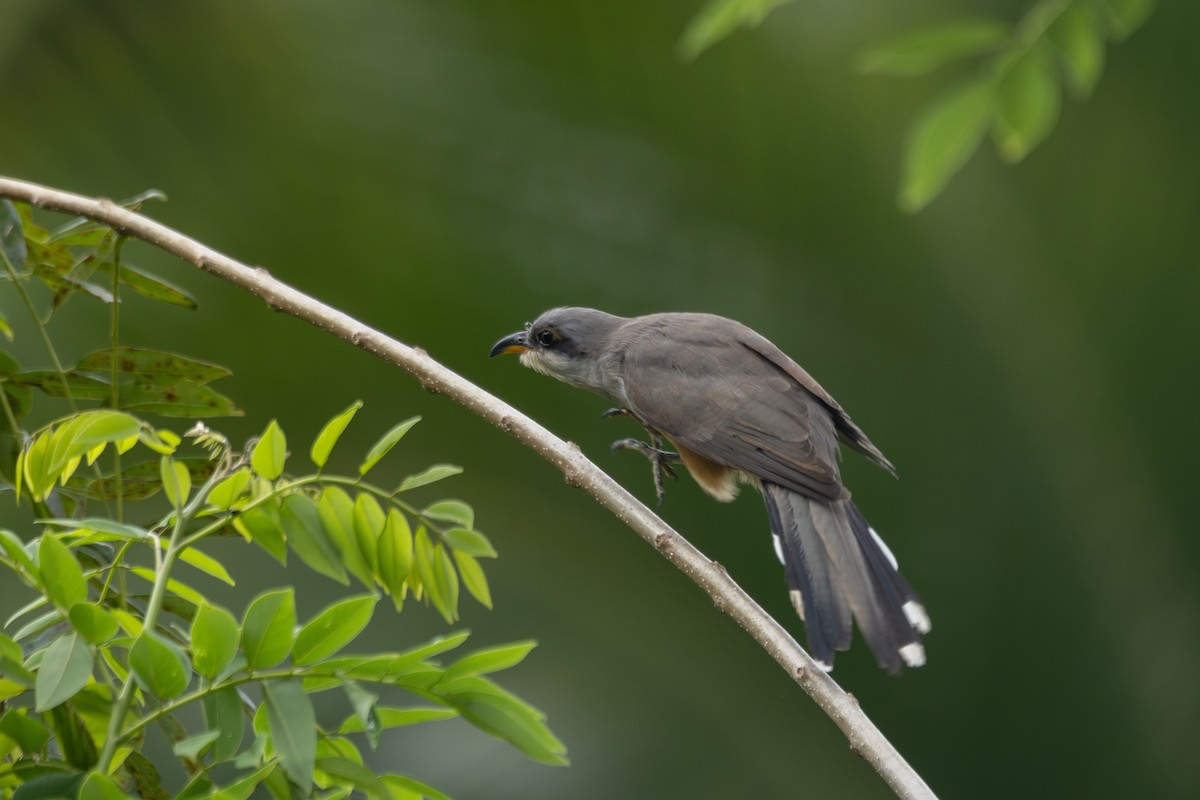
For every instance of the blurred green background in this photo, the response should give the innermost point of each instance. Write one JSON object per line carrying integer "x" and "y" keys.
{"x": 1025, "y": 350}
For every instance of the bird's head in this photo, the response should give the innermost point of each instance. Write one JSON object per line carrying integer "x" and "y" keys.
{"x": 569, "y": 344}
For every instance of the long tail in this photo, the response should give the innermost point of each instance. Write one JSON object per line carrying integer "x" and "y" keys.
{"x": 837, "y": 569}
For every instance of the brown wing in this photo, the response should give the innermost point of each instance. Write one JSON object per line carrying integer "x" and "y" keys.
{"x": 706, "y": 383}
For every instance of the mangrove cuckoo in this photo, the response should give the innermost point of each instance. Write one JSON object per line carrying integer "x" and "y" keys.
{"x": 737, "y": 409}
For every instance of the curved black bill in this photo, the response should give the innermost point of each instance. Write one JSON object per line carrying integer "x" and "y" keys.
{"x": 513, "y": 343}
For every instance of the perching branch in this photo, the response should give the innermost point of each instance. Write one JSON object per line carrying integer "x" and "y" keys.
{"x": 842, "y": 708}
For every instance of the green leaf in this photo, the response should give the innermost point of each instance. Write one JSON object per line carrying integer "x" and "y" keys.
{"x": 66, "y": 668}
{"x": 1077, "y": 37}
{"x": 350, "y": 772}
{"x": 242, "y": 789}
{"x": 269, "y": 453}
{"x": 14, "y": 549}
{"x": 473, "y": 543}
{"x": 293, "y": 729}
{"x": 395, "y": 555}
{"x": 399, "y": 717}
{"x": 923, "y": 51}
{"x": 406, "y": 788}
{"x": 453, "y": 511}
{"x": 61, "y": 574}
{"x": 1027, "y": 106}
{"x": 368, "y": 526}
{"x": 229, "y": 490}
{"x": 447, "y": 582}
{"x": 261, "y": 525}
{"x": 100, "y": 525}
{"x": 50, "y": 786}
{"x": 175, "y": 587}
{"x": 492, "y": 659}
{"x": 306, "y": 534}
{"x": 423, "y": 560}
{"x": 29, "y": 733}
{"x": 180, "y": 398}
{"x": 77, "y": 725}
{"x": 148, "y": 285}
{"x": 12, "y": 235}
{"x": 206, "y": 564}
{"x": 1126, "y": 16}
{"x": 176, "y": 481}
{"x": 152, "y": 363}
{"x": 96, "y": 427}
{"x": 720, "y": 18}
{"x": 54, "y": 455}
{"x": 159, "y": 666}
{"x": 191, "y": 747}
{"x": 327, "y": 438}
{"x": 386, "y": 443}
{"x": 941, "y": 141}
{"x": 215, "y": 636}
{"x": 98, "y": 786}
{"x": 223, "y": 713}
{"x": 267, "y": 629}
{"x": 364, "y": 703}
{"x": 337, "y": 517}
{"x": 333, "y": 629}
{"x": 473, "y": 578}
{"x": 513, "y": 722}
{"x": 435, "y": 473}
{"x": 93, "y": 622}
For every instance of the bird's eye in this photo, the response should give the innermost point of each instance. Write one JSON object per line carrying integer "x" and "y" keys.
{"x": 546, "y": 337}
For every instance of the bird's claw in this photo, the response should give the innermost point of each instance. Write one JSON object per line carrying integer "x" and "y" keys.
{"x": 660, "y": 462}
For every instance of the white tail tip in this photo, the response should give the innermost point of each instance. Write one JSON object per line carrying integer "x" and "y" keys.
{"x": 913, "y": 655}
{"x": 917, "y": 617}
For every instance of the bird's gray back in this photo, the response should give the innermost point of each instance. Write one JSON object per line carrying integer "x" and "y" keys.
{"x": 717, "y": 388}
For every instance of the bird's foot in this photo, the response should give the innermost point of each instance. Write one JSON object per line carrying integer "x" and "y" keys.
{"x": 660, "y": 461}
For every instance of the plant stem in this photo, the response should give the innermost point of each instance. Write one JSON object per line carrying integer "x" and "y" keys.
{"x": 175, "y": 548}
{"x": 115, "y": 400}
{"x": 37, "y": 321}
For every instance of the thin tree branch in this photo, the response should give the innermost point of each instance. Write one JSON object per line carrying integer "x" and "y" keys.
{"x": 842, "y": 708}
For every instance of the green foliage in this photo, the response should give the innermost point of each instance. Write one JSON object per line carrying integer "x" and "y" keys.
{"x": 1018, "y": 77}
{"x": 98, "y": 656}
{"x": 720, "y": 18}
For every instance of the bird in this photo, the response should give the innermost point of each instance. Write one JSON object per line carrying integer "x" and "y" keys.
{"x": 738, "y": 410}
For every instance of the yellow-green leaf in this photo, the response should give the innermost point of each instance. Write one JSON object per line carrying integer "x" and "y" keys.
{"x": 433, "y": 474}
{"x": 230, "y": 489}
{"x": 270, "y": 452}
{"x": 333, "y": 629}
{"x": 923, "y": 51}
{"x": 268, "y": 628}
{"x": 369, "y": 520}
{"x": 327, "y": 438}
{"x": 215, "y": 636}
{"x": 176, "y": 481}
{"x": 942, "y": 139}
{"x": 159, "y": 666}
{"x": 1027, "y": 103}
{"x": 395, "y": 555}
{"x": 720, "y": 18}
{"x": 473, "y": 578}
{"x": 61, "y": 575}
{"x": 1077, "y": 37}
{"x": 386, "y": 443}
{"x": 93, "y": 622}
